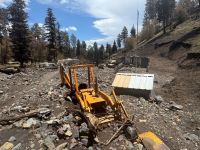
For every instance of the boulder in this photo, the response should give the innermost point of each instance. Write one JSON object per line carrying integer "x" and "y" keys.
{"x": 84, "y": 141}
{"x": 68, "y": 133}
{"x": 62, "y": 130}
{"x": 17, "y": 147}
{"x": 175, "y": 106}
{"x": 159, "y": 99}
{"x": 12, "y": 139}
{"x": 31, "y": 123}
{"x": 83, "y": 129}
{"x": 191, "y": 137}
{"x": 49, "y": 143}
{"x": 69, "y": 118}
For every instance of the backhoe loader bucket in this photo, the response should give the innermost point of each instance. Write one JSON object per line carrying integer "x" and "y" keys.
{"x": 152, "y": 142}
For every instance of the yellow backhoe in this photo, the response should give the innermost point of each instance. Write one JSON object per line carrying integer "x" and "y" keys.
{"x": 94, "y": 103}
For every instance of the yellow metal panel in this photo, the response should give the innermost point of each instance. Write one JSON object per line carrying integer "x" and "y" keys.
{"x": 92, "y": 99}
{"x": 152, "y": 142}
{"x": 151, "y": 136}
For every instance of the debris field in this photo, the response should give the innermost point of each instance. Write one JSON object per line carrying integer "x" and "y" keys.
{"x": 34, "y": 115}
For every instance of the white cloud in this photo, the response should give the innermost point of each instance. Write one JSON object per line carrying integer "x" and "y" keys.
{"x": 70, "y": 29}
{"x": 40, "y": 25}
{"x": 111, "y": 15}
{"x": 103, "y": 41}
{"x": 64, "y": 1}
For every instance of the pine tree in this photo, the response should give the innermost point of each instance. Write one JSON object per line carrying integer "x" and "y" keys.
{"x": 96, "y": 53}
{"x": 50, "y": 25}
{"x": 4, "y": 39}
{"x": 73, "y": 41}
{"x": 150, "y": 9}
{"x": 65, "y": 43}
{"x": 124, "y": 34}
{"x": 108, "y": 50}
{"x": 59, "y": 40}
{"x": 83, "y": 48}
{"x": 90, "y": 53}
{"x": 133, "y": 31}
{"x": 37, "y": 42}
{"x": 19, "y": 33}
{"x": 119, "y": 41}
{"x": 3, "y": 22}
{"x": 78, "y": 48}
{"x": 165, "y": 10}
{"x": 101, "y": 52}
{"x": 114, "y": 47}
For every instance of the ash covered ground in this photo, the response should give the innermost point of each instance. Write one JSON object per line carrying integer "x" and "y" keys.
{"x": 174, "y": 117}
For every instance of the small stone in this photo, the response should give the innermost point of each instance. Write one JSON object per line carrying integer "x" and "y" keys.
{"x": 1, "y": 92}
{"x": 131, "y": 133}
{"x": 84, "y": 141}
{"x": 90, "y": 148}
{"x": 52, "y": 121}
{"x": 69, "y": 118}
{"x": 68, "y": 133}
{"x": 44, "y": 112}
{"x": 75, "y": 132}
{"x": 120, "y": 138}
{"x": 159, "y": 99}
{"x": 32, "y": 145}
{"x": 7, "y": 146}
{"x": 38, "y": 136}
{"x": 41, "y": 142}
{"x": 83, "y": 129}
{"x": 17, "y": 147}
{"x": 142, "y": 120}
{"x": 139, "y": 147}
{"x": 191, "y": 137}
{"x": 63, "y": 129}
{"x": 49, "y": 143}
{"x": 112, "y": 148}
{"x": 72, "y": 145}
{"x": 12, "y": 139}
{"x": 18, "y": 124}
{"x": 53, "y": 137}
{"x": 129, "y": 145}
{"x": 96, "y": 139}
{"x": 62, "y": 146}
{"x": 44, "y": 106}
{"x": 30, "y": 123}
{"x": 21, "y": 109}
{"x": 175, "y": 106}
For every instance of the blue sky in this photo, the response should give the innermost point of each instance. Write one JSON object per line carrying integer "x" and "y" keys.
{"x": 89, "y": 20}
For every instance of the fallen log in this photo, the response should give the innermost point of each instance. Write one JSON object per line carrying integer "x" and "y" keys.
{"x": 11, "y": 120}
{"x": 34, "y": 113}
